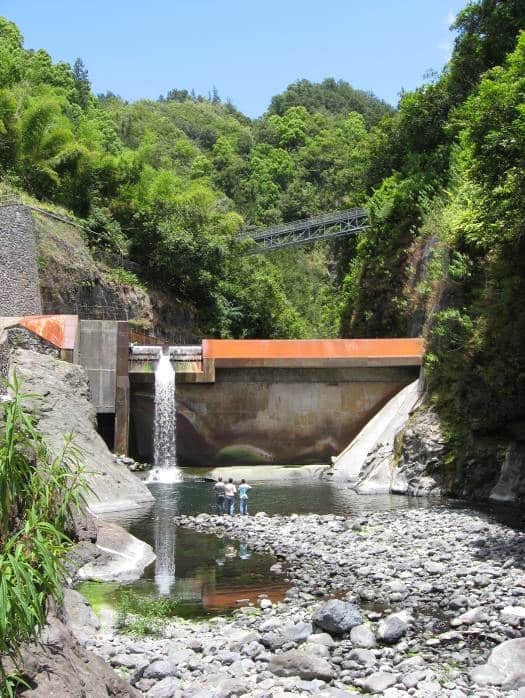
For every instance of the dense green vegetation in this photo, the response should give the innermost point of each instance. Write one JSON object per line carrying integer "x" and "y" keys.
{"x": 446, "y": 253}
{"x": 172, "y": 182}
{"x": 37, "y": 493}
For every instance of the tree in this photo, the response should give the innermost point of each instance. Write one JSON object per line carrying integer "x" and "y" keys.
{"x": 82, "y": 84}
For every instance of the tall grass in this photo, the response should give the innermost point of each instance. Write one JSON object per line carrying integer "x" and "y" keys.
{"x": 38, "y": 492}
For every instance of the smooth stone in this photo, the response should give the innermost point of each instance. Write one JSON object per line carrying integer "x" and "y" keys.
{"x": 159, "y": 669}
{"x": 391, "y": 629}
{"x": 379, "y": 681}
{"x": 474, "y": 615}
{"x": 303, "y": 664}
{"x": 164, "y": 689}
{"x": 362, "y": 636}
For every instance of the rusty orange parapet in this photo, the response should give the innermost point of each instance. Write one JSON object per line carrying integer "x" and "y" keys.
{"x": 225, "y": 352}
{"x": 59, "y": 330}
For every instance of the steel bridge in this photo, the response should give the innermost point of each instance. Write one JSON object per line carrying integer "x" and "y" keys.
{"x": 328, "y": 226}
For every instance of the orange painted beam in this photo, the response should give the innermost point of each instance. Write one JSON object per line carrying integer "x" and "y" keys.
{"x": 313, "y": 348}
{"x": 59, "y": 330}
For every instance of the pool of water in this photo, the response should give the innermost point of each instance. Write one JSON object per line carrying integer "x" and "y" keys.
{"x": 206, "y": 574}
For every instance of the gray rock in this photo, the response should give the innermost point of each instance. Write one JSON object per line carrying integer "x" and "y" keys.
{"x": 79, "y": 616}
{"x": 159, "y": 669}
{"x": 337, "y": 617}
{"x": 362, "y": 636}
{"x": 125, "y": 557}
{"x": 362, "y": 656}
{"x": 505, "y": 666}
{"x": 487, "y": 675}
{"x": 379, "y": 681}
{"x": 391, "y": 629}
{"x": 231, "y": 687}
{"x": 164, "y": 689}
{"x": 474, "y": 615}
{"x": 57, "y": 665}
{"x": 296, "y": 633}
{"x": 303, "y": 664}
{"x": 321, "y": 639}
{"x": 66, "y": 408}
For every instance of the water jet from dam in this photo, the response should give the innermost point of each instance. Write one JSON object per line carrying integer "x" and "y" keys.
{"x": 164, "y": 433}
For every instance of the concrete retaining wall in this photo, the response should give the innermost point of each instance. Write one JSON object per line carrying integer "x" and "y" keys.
{"x": 19, "y": 287}
{"x": 268, "y": 415}
{"x": 98, "y": 355}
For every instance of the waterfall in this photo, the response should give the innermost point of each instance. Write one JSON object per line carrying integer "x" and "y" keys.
{"x": 164, "y": 447}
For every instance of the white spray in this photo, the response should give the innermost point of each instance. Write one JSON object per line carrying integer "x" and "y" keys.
{"x": 164, "y": 446}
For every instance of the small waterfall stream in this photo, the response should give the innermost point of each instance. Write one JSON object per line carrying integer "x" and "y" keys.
{"x": 164, "y": 447}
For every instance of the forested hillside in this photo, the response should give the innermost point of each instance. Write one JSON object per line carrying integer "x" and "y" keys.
{"x": 446, "y": 255}
{"x": 170, "y": 183}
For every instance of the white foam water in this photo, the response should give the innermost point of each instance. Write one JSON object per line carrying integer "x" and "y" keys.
{"x": 164, "y": 447}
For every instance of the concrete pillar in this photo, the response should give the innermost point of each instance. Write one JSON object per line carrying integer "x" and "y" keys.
{"x": 122, "y": 390}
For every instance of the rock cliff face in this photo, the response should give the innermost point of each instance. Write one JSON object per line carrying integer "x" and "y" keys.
{"x": 62, "y": 405}
{"x": 420, "y": 463}
{"x": 419, "y": 455}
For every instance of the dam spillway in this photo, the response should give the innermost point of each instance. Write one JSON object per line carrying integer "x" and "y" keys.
{"x": 237, "y": 401}
{"x": 271, "y": 401}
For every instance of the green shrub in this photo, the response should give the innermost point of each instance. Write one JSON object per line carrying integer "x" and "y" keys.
{"x": 38, "y": 491}
{"x": 140, "y": 615}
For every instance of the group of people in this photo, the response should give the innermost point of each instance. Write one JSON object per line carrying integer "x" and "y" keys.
{"x": 225, "y": 494}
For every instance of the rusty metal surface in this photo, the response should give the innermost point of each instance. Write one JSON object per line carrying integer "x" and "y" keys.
{"x": 59, "y": 330}
{"x": 264, "y": 349}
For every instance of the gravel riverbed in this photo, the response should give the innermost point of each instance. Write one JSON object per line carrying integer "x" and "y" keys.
{"x": 413, "y": 603}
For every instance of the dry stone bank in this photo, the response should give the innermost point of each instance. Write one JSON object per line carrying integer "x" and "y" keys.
{"x": 423, "y": 603}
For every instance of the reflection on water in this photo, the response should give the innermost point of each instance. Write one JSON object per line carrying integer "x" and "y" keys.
{"x": 209, "y": 574}
{"x": 165, "y": 538}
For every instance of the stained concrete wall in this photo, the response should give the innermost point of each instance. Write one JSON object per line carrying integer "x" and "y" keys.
{"x": 19, "y": 288}
{"x": 98, "y": 354}
{"x": 268, "y": 415}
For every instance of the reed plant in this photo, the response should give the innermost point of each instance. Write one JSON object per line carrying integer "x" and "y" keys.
{"x": 39, "y": 491}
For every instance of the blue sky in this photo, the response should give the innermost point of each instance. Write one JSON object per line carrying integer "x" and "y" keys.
{"x": 249, "y": 49}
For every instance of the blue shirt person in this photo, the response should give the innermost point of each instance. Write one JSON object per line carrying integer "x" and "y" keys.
{"x": 243, "y": 496}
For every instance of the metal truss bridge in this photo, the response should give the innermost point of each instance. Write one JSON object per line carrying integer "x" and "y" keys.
{"x": 326, "y": 227}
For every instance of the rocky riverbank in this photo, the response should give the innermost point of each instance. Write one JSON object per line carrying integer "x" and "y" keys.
{"x": 424, "y": 603}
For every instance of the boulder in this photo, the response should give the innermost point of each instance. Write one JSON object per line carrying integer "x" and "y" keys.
{"x": 160, "y": 669}
{"x": 362, "y": 636}
{"x": 164, "y": 689}
{"x": 124, "y": 557}
{"x": 379, "y": 681}
{"x": 62, "y": 405}
{"x": 78, "y": 616}
{"x": 337, "y": 617}
{"x": 505, "y": 666}
{"x": 391, "y": 629}
{"x": 303, "y": 664}
{"x": 288, "y": 633}
{"x": 59, "y": 666}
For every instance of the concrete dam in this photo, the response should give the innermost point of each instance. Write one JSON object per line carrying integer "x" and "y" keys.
{"x": 237, "y": 401}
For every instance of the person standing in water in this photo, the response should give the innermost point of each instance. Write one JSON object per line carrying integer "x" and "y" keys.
{"x": 230, "y": 491}
{"x": 243, "y": 497}
{"x": 220, "y": 488}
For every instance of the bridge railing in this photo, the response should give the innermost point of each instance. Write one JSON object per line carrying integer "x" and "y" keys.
{"x": 325, "y": 219}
